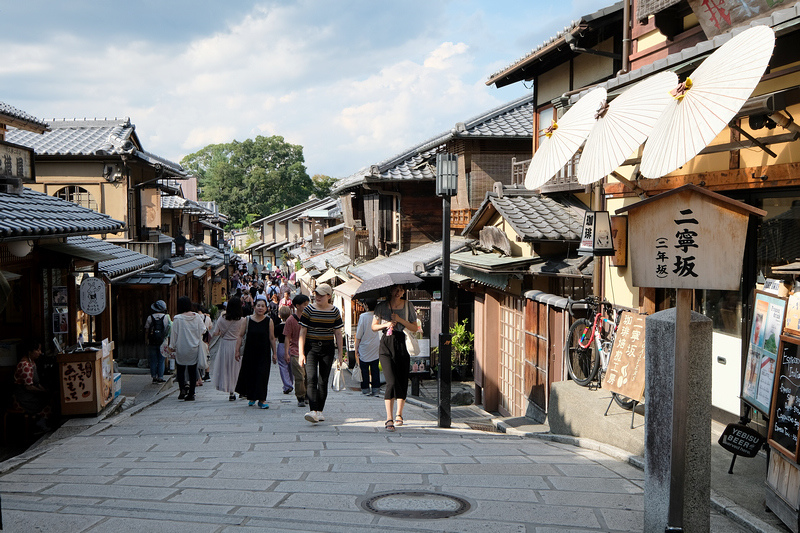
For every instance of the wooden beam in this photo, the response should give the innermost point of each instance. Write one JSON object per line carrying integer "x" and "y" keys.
{"x": 761, "y": 177}
{"x": 726, "y": 147}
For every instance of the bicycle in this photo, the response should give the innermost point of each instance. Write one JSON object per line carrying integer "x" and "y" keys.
{"x": 589, "y": 344}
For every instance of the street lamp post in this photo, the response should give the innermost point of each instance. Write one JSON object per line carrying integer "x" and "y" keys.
{"x": 446, "y": 187}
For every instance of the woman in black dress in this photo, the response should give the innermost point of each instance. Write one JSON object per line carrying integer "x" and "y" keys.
{"x": 259, "y": 343}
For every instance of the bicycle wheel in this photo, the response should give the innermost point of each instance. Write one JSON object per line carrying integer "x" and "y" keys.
{"x": 623, "y": 401}
{"x": 582, "y": 363}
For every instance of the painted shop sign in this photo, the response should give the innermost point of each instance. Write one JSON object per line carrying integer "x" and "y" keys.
{"x": 17, "y": 162}
{"x": 741, "y": 440}
{"x": 719, "y": 16}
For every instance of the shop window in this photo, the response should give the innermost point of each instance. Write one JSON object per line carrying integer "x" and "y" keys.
{"x": 77, "y": 195}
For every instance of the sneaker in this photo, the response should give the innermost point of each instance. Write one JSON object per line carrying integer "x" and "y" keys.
{"x": 289, "y": 390}
{"x": 189, "y": 398}
{"x": 232, "y": 397}
{"x": 365, "y": 392}
{"x": 320, "y": 416}
{"x": 160, "y": 380}
{"x": 155, "y": 380}
{"x": 251, "y": 403}
{"x": 301, "y": 403}
{"x": 311, "y": 416}
{"x": 263, "y": 405}
{"x": 182, "y": 395}
{"x": 206, "y": 377}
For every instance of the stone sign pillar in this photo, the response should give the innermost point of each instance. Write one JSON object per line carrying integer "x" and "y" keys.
{"x": 659, "y": 376}
{"x": 688, "y": 238}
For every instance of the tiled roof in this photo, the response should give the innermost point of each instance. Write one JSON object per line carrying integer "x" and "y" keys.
{"x": 428, "y": 254}
{"x": 293, "y": 212}
{"x": 91, "y": 137}
{"x": 35, "y": 214}
{"x": 150, "y": 278}
{"x": 81, "y": 137}
{"x": 125, "y": 260}
{"x": 533, "y": 217}
{"x": 554, "y": 43}
{"x": 21, "y": 119}
{"x": 513, "y": 120}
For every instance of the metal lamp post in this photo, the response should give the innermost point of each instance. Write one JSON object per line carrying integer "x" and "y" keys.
{"x": 446, "y": 187}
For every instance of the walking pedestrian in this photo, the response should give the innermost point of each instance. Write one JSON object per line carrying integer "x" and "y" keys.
{"x": 257, "y": 343}
{"x": 184, "y": 341}
{"x": 320, "y": 336}
{"x": 226, "y": 367}
{"x": 284, "y": 361}
{"x": 287, "y": 300}
{"x": 366, "y": 348}
{"x": 291, "y": 332}
{"x": 157, "y": 329}
{"x": 394, "y": 317}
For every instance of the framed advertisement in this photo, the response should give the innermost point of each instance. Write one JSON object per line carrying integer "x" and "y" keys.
{"x": 766, "y": 329}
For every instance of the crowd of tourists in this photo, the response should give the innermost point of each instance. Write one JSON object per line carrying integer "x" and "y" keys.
{"x": 269, "y": 322}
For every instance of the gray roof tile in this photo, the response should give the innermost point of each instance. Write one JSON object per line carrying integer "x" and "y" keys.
{"x": 511, "y": 120}
{"x": 90, "y": 137}
{"x": 535, "y": 217}
{"x": 35, "y": 214}
{"x": 126, "y": 260}
{"x": 429, "y": 254}
{"x": 14, "y": 113}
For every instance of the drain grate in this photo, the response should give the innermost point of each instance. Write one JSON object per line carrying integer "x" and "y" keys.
{"x": 483, "y": 426}
{"x": 418, "y": 505}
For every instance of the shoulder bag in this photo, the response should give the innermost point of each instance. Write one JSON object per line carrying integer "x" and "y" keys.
{"x": 412, "y": 345}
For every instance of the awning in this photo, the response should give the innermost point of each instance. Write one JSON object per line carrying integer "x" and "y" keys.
{"x": 327, "y": 276}
{"x": 148, "y": 278}
{"x": 199, "y": 273}
{"x": 185, "y": 268}
{"x": 80, "y": 252}
{"x": 568, "y": 267}
{"x": 495, "y": 281}
{"x": 492, "y": 263}
{"x": 348, "y": 288}
{"x": 211, "y": 226}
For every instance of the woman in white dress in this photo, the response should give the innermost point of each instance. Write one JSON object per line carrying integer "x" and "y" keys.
{"x": 230, "y": 329}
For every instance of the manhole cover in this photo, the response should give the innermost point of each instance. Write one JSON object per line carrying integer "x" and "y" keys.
{"x": 408, "y": 504}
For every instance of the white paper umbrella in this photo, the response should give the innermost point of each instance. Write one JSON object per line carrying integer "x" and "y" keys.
{"x": 624, "y": 126}
{"x": 704, "y": 104}
{"x": 564, "y": 138}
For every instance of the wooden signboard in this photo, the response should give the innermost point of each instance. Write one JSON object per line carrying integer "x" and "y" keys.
{"x": 625, "y": 374}
{"x": 762, "y": 352}
{"x": 619, "y": 236}
{"x": 784, "y": 420}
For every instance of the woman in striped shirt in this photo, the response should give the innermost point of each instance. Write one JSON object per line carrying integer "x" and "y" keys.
{"x": 320, "y": 334}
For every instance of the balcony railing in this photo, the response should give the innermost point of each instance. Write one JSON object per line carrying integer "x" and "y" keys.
{"x": 459, "y": 218}
{"x": 565, "y": 180}
{"x": 356, "y": 245}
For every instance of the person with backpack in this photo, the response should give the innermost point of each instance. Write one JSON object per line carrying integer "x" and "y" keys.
{"x": 156, "y": 328}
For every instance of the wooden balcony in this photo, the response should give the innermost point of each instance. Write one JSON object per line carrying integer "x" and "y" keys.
{"x": 565, "y": 180}
{"x": 356, "y": 244}
{"x": 459, "y": 218}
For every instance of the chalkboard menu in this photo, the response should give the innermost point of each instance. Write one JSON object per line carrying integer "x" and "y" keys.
{"x": 784, "y": 422}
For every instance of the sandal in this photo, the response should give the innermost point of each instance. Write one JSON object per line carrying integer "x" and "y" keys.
{"x": 398, "y": 420}
{"x": 389, "y": 425}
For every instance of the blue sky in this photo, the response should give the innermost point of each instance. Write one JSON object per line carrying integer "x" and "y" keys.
{"x": 354, "y": 82}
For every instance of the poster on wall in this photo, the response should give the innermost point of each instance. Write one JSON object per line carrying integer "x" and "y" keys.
{"x": 762, "y": 350}
{"x": 60, "y": 321}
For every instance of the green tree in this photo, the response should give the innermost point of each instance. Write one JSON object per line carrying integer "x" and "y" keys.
{"x": 322, "y": 185}
{"x": 257, "y": 176}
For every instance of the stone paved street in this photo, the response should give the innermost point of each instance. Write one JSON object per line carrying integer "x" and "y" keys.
{"x": 218, "y": 466}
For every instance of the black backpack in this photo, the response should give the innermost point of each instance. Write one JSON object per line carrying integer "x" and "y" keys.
{"x": 157, "y": 330}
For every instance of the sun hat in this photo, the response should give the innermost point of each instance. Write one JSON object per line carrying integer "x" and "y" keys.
{"x": 324, "y": 288}
{"x": 159, "y": 307}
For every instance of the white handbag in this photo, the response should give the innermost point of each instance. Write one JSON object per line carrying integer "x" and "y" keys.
{"x": 337, "y": 384}
{"x": 356, "y": 374}
{"x": 412, "y": 344}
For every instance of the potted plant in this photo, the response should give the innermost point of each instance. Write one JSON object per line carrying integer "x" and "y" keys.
{"x": 462, "y": 343}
